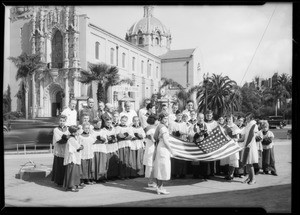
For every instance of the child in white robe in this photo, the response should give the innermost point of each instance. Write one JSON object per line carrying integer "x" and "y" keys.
{"x": 72, "y": 162}
{"x": 60, "y": 138}
{"x": 87, "y": 155}
{"x": 100, "y": 152}
{"x": 137, "y": 148}
{"x": 124, "y": 136}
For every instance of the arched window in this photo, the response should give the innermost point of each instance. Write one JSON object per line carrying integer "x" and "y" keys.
{"x": 123, "y": 59}
{"x": 57, "y": 50}
{"x": 149, "y": 70}
{"x": 97, "y": 47}
{"x": 140, "y": 37}
{"x": 142, "y": 67}
{"x": 112, "y": 55}
{"x": 158, "y": 38}
{"x": 133, "y": 63}
{"x": 156, "y": 41}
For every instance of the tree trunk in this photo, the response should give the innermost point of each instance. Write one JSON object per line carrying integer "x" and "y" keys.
{"x": 33, "y": 96}
{"x": 26, "y": 102}
{"x": 101, "y": 96}
{"x": 276, "y": 107}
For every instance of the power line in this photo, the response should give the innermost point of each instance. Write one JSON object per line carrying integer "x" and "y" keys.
{"x": 258, "y": 45}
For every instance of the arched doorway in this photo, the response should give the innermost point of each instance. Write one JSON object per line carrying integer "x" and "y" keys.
{"x": 57, "y": 50}
{"x": 54, "y": 95}
{"x": 57, "y": 104}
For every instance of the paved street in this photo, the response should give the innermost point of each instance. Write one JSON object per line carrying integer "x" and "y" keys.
{"x": 134, "y": 193}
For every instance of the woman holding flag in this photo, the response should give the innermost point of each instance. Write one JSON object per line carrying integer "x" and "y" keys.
{"x": 162, "y": 161}
{"x": 250, "y": 155}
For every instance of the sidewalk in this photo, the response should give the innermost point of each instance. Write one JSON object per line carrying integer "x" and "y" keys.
{"x": 44, "y": 193}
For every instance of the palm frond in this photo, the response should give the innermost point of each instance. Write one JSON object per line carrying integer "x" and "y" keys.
{"x": 170, "y": 82}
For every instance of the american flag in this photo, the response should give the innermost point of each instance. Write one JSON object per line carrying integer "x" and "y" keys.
{"x": 215, "y": 146}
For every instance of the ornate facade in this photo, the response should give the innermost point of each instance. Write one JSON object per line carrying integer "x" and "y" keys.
{"x": 68, "y": 41}
{"x": 54, "y": 34}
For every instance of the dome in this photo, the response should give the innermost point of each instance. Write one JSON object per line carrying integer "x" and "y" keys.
{"x": 154, "y": 26}
{"x": 150, "y": 34}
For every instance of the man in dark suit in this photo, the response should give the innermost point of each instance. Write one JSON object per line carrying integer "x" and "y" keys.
{"x": 89, "y": 110}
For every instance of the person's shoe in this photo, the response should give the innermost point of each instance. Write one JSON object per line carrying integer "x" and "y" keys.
{"x": 246, "y": 181}
{"x": 241, "y": 176}
{"x": 93, "y": 182}
{"x": 79, "y": 187}
{"x": 274, "y": 173}
{"x": 154, "y": 185}
{"x": 266, "y": 172}
{"x": 88, "y": 183}
{"x": 72, "y": 189}
{"x": 162, "y": 191}
{"x": 82, "y": 184}
{"x": 251, "y": 182}
{"x": 228, "y": 178}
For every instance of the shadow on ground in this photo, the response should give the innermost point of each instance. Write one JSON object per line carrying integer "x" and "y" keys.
{"x": 274, "y": 199}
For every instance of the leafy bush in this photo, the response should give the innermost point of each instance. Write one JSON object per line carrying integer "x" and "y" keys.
{"x": 13, "y": 115}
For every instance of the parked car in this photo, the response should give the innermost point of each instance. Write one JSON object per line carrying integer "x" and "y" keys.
{"x": 29, "y": 132}
{"x": 276, "y": 121}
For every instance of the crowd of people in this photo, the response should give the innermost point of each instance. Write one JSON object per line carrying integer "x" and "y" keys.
{"x": 108, "y": 145}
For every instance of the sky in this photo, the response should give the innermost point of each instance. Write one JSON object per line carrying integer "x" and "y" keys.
{"x": 227, "y": 36}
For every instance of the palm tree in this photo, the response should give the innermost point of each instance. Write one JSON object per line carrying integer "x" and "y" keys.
{"x": 183, "y": 95}
{"x": 222, "y": 95}
{"x": 105, "y": 76}
{"x": 280, "y": 91}
{"x": 169, "y": 82}
{"x": 27, "y": 66}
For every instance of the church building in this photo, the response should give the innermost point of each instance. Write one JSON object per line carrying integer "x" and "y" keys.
{"x": 68, "y": 41}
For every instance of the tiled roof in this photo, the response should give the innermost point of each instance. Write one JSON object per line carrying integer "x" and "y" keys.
{"x": 173, "y": 54}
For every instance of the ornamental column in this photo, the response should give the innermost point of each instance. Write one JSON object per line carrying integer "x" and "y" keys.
{"x": 66, "y": 39}
{"x": 41, "y": 106}
{"x": 75, "y": 39}
{"x": 33, "y": 32}
{"x": 67, "y": 96}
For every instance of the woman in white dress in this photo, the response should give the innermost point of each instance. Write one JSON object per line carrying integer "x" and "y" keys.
{"x": 152, "y": 122}
{"x": 162, "y": 161}
{"x": 250, "y": 155}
